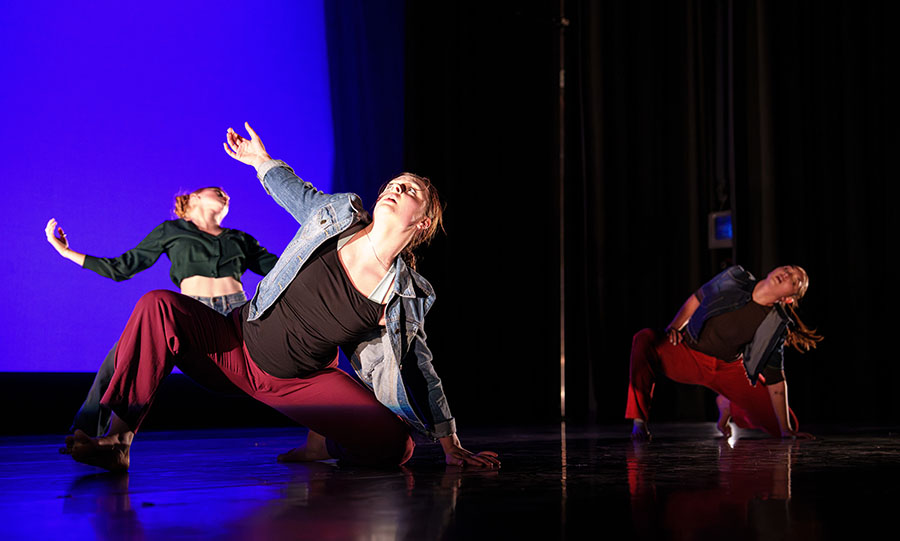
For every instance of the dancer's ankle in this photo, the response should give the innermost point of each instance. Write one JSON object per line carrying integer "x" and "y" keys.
{"x": 639, "y": 430}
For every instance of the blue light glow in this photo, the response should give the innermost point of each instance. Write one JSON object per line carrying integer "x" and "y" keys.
{"x": 111, "y": 109}
{"x": 723, "y": 227}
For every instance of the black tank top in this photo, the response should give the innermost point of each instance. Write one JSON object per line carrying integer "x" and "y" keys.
{"x": 725, "y": 336}
{"x": 319, "y": 311}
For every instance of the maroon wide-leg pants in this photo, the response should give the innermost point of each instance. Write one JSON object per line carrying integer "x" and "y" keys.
{"x": 167, "y": 329}
{"x": 652, "y": 355}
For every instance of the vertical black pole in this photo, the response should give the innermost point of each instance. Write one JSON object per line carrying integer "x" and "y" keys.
{"x": 561, "y": 172}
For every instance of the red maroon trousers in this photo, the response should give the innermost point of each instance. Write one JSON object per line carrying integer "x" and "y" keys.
{"x": 167, "y": 329}
{"x": 652, "y": 355}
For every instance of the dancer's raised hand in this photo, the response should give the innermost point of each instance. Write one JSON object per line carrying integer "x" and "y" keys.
{"x": 57, "y": 238}
{"x": 59, "y": 242}
{"x": 250, "y": 151}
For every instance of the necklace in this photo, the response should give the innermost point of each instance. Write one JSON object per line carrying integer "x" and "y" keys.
{"x": 372, "y": 244}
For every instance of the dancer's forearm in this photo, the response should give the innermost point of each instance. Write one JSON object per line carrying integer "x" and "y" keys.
{"x": 778, "y": 395}
{"x": 684, "y": 313}
{"x": 73, "y": 256}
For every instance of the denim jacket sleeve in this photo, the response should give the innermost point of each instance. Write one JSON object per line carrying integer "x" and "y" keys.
{"x": 730, "y": 278}
{"x": 727, "y": 291}
{"x": 297, "y": 197}
{"x": 432, "y": 391}
{"x": 396, "y": 362}
{"x": 403, "y": 386}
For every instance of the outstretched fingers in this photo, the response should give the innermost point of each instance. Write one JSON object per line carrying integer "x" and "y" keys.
{"x": 249, "y": 151}
{"x": 51, "y": 231}
{"x": 484, "y": 459}
{"x": 232, "y": 143}
{"x": 230, "y": 152}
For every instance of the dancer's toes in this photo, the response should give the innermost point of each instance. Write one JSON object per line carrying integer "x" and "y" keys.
{"x": 70, "y": 442}
{"x": 297, "y": 454}
{"x": 303, "y": 453}
{"x": 80, "y": 436}
{"x": 114, "y": 458}
{"x": 109, "y": 452}
{"x": 313, "y": 449}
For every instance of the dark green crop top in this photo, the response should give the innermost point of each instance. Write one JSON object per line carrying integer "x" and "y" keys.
{"x": 192, "y": 253}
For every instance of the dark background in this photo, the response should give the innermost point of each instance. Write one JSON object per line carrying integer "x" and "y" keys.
{"x": 783, "y": 112}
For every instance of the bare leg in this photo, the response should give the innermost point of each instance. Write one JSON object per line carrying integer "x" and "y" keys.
{"x": 724, "y": 406}
{"x": 313, "y": 449}
{"x": 110, "y": 452}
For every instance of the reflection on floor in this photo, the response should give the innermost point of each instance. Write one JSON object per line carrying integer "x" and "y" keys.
{"x": 556, "y": 483}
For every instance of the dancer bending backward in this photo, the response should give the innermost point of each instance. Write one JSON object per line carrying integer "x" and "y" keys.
{"x": 207, "y": 264}
{"x": 339, "y": 283}
{"x": 733, "y": 316}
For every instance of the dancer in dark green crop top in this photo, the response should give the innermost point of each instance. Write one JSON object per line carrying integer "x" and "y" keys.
{"x": 207, "y": 259}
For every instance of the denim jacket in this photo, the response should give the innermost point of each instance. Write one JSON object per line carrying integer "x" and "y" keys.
{"x": 379, "y": 359}
{"x": 728, "y": 291}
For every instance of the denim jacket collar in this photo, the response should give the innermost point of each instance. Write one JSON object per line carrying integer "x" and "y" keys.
{"x": 409, "y": 280}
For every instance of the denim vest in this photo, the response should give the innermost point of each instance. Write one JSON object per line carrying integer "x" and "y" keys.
{"x": 728, "y": 291}
{"x": 379, "y": 359}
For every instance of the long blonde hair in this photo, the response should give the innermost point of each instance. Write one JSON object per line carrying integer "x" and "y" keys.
{"x": 799, "y": 335}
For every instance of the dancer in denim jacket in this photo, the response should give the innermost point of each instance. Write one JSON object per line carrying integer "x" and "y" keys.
{"x": 337, "y": 242}
{"x": 732, "y": 317}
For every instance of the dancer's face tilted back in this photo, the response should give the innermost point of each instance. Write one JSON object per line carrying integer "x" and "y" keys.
{"x": 789, "y": 281}
{"x": 411, "y": 201}
{"x": 212, "y": 198}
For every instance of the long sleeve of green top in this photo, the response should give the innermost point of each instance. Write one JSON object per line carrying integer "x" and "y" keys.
{"x": 192, "y": 253}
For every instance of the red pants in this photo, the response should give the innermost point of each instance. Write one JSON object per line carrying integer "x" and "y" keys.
{"x": 167, "y": 329}
{"x": 652, "y": 355}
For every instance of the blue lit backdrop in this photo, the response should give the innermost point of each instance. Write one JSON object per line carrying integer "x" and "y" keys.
{"x": 109, "y": 111}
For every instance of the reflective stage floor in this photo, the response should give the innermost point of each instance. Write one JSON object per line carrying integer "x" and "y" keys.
{"x": 556, "y": 483}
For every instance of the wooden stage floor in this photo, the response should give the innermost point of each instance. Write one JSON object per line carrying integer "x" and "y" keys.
{"x": 557, "y": 482}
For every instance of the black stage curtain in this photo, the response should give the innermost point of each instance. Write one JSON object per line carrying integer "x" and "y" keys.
{"x": 365, "y": 43}
{"x": 480, "y": 90}
{"x": 781, "y": 111}
{"x": 462, "y": 92}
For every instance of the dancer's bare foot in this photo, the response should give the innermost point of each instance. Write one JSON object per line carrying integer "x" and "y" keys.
{"x": 640, "y": 432}
{"x": 108, "y": 452}
{"x": 70, "y": 442}
{"x": 724, "y": 424}
{"x": 313, "y": 449}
